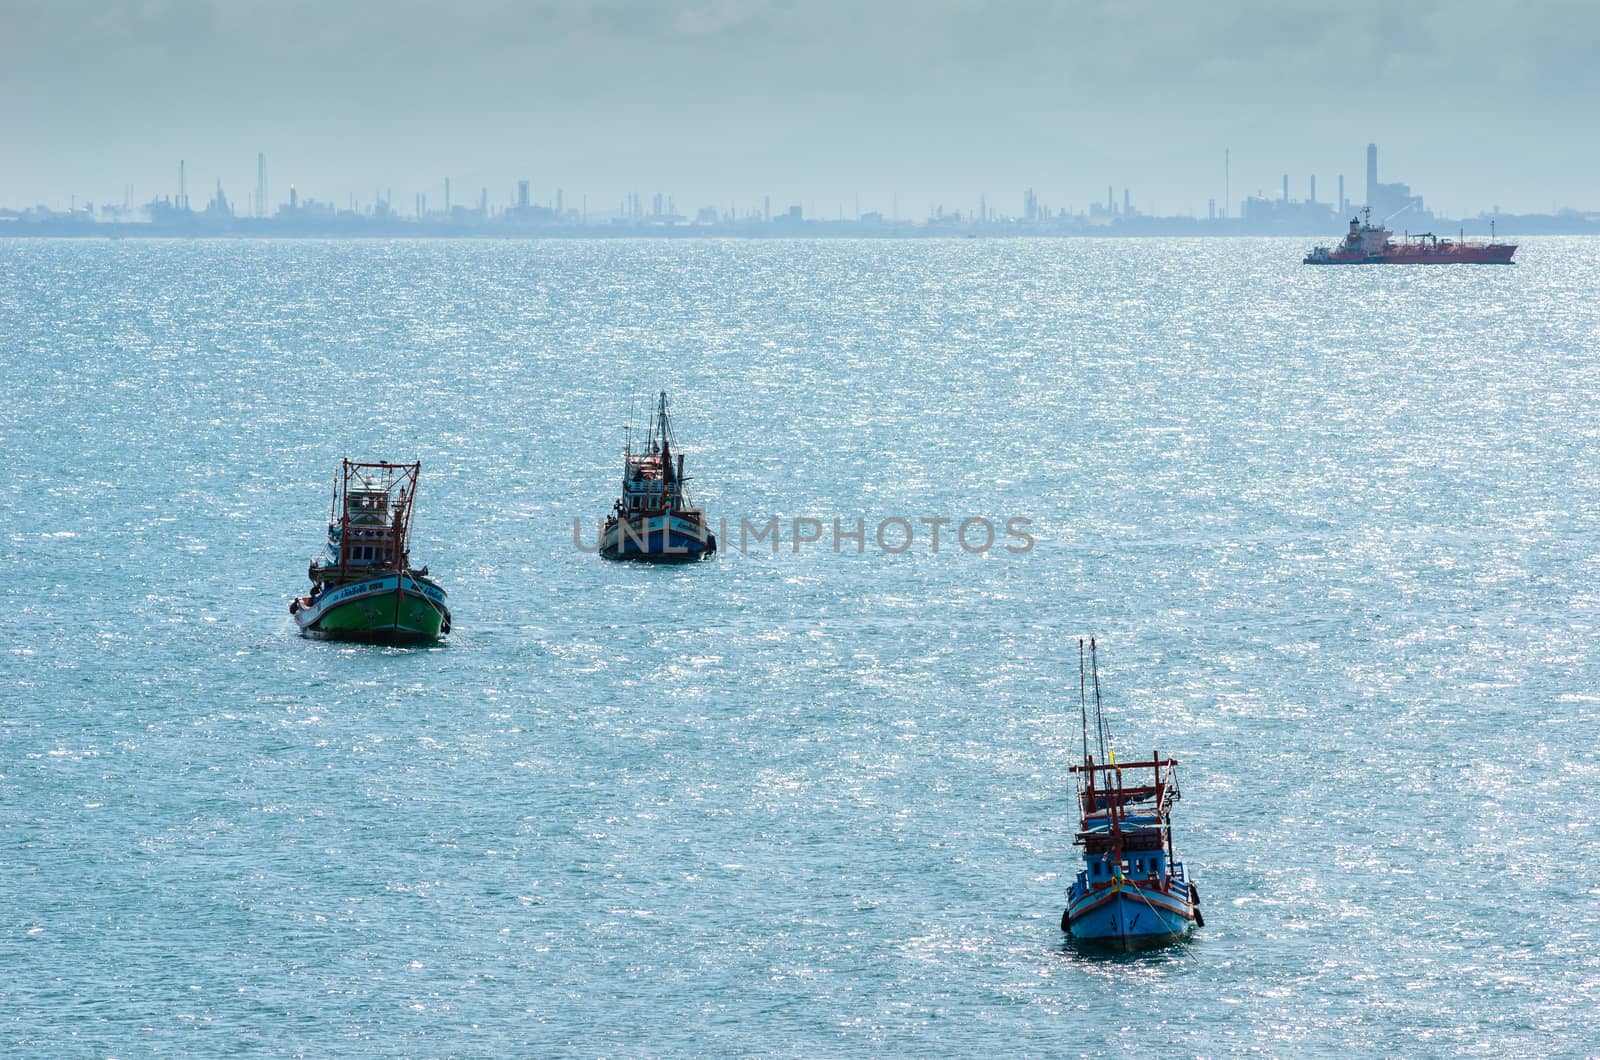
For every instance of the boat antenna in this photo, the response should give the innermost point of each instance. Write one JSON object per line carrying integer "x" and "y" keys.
{"x": 1099, "y": 713}
{"x": 1083, "y": 704}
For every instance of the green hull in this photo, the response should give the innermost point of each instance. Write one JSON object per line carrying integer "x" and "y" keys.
{"x": 385, "y": 616}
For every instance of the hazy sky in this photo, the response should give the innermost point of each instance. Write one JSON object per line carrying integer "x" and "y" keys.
{"x": 1474, "y": 103}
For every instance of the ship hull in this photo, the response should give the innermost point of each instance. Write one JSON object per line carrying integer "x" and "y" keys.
{"x": 378, "y": 610}
{"x": 664, "y": 538}
{"x": 1127, "y": 917}
{"x": 1492, "y": 254}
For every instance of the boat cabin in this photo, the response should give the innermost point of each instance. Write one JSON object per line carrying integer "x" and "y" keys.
{"x": 370, "y": 521}
{"x": 371, "y": 528}
{"x": 650, "y": 486}
{"x": 1124, "y": 831}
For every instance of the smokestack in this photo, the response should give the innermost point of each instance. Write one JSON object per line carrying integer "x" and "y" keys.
{"x": 1342, "y": 206}
{"x": 1313, "y": 189}
{"x": 1286, "y": 187}
{"x": 1372, "y": 173}
{"x": 1127, "y": 204}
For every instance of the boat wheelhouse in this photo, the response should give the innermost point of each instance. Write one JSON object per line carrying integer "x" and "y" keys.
{"x": 1132, "y": 892}
{"x": 654, "y": 519}
{"x": 362, "y": 583}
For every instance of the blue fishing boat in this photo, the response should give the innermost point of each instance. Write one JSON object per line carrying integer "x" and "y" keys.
{"x": 654, "y": 519}
{"x": 1133, "y": 892}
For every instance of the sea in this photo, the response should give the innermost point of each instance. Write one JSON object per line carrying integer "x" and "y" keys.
{"x": 1333, "y": 530}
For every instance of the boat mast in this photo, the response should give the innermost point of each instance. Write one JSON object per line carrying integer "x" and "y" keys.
{"x": 408, "y": 499}
{"x": 344, "y": 517}
{"x": 1099, "y": 714}
{"x": 1169, "y": 795}
{"x": 666, "y": 450}
{"x": 1113, "y": 787}
{"x": 627, "y": 451}
{"x": 1083, "y": 704}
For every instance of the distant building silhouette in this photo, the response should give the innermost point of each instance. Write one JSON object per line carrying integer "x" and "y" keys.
{"x": 1391, "y": 200}
{"x": 218, "y": 207}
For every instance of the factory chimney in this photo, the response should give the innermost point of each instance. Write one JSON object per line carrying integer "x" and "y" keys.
{"x": 261, "y": 184}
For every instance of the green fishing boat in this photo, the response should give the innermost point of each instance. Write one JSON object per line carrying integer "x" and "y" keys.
{"x": 362, "y": 584}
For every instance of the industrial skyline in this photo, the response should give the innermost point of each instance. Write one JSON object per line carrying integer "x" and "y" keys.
{"x": 519, "y": 212}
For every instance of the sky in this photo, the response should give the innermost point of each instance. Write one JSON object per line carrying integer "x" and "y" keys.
{"x": 895, "y": 105}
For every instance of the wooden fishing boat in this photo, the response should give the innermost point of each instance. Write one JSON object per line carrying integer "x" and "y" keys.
{"x": 362, "y": 584}
{"x": 654, "y": 519}
{"x": 1132, "y": 892}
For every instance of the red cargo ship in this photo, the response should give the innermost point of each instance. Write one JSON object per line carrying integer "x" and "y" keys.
{"x": 1370, "y": 244}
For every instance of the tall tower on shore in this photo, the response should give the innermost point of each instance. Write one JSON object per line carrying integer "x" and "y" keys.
{"x": 1372, "y": 173}
{"x": 261, "y": 184}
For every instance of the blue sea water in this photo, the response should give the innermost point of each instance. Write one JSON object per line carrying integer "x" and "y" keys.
{"x": 1335, "y": 530}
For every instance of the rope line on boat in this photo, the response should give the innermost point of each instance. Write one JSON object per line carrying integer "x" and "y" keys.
{"x": 407, "y": 576}
{"x": 1184, "y": 948}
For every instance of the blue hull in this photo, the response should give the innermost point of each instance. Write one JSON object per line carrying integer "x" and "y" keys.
{"x": 1127, "y": 918}
{"x": 655, "y": 541}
